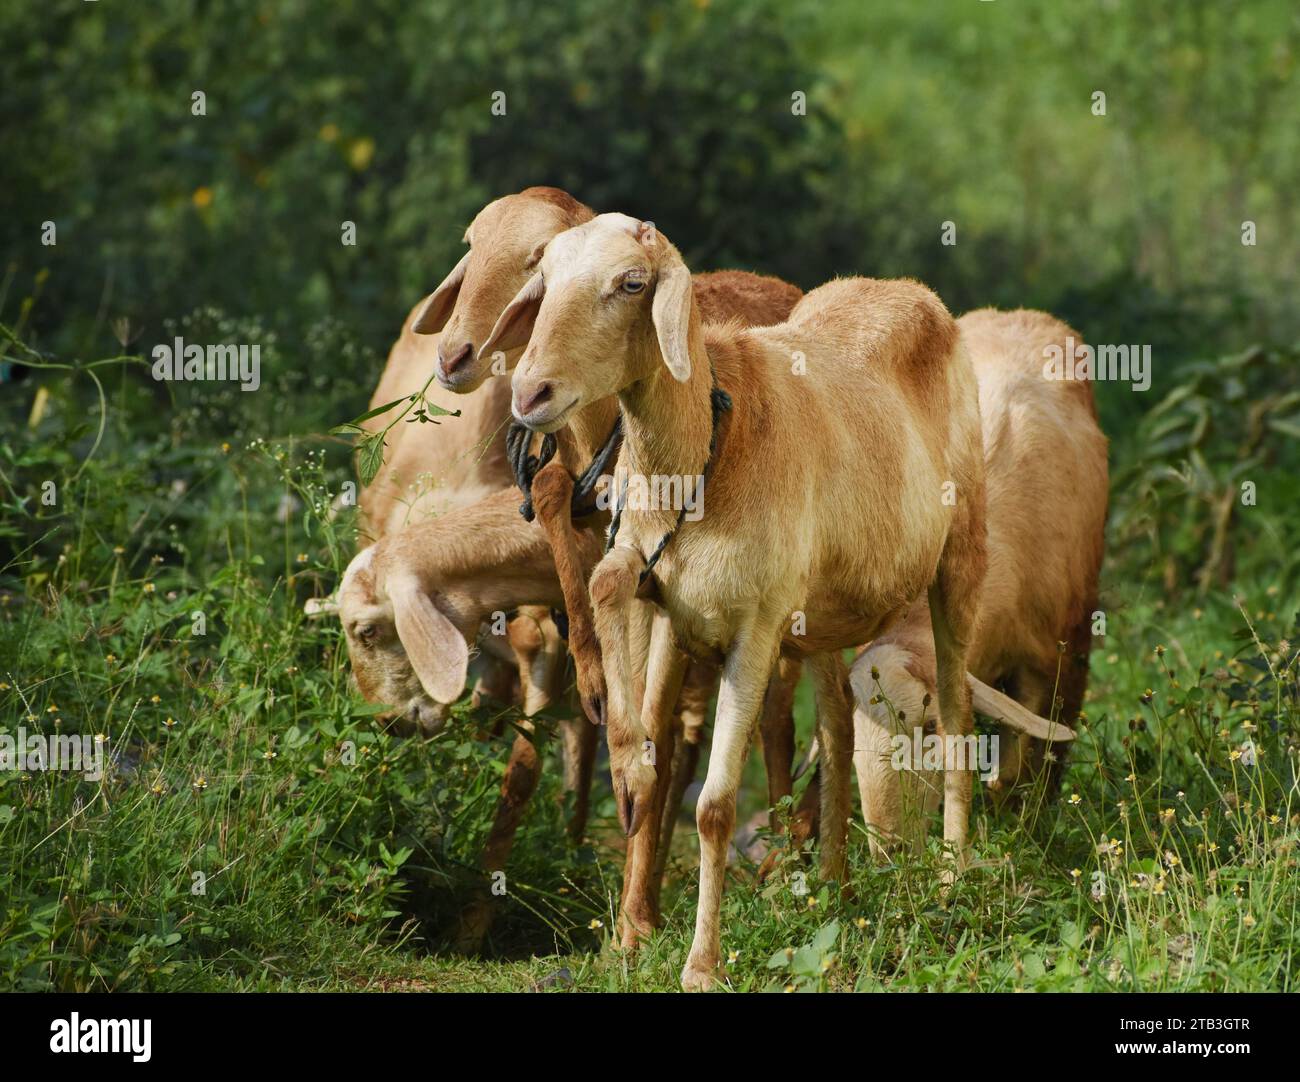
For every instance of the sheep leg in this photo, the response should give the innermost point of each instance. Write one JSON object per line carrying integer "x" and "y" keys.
{"x": 665, "y": 672}
{"x": 692, "y": 709}
{"x": 777, "y": 728}
{"x": 744, "y": 681}
{"x": 580, "y": 739}
{"x": 539, "y": 653}
{"x": 835, "y": 736}
{"x": 552, "y": 492}
{"x": 520, "y": 782}
{"x": 613, "y": 591}
{"x": 952, "y": 612}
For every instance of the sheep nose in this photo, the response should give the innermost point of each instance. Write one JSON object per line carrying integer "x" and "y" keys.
{"x": 457, "y": 358}
{"x": 540, "y": 395}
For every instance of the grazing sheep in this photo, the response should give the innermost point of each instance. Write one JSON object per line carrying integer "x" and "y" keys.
{"x": 412, "y": 605}
{"x": 844, "y": 478}
{"x": 1046, "y": 484}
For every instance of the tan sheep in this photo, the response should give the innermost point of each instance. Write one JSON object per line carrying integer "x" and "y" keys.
{"x": 1046, "y": 484}
{"x": 845, "y": 480}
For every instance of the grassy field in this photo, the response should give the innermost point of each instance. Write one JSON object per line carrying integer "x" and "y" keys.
{"x": 255, "y": 830}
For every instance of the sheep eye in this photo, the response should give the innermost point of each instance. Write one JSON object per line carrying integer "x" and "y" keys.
{"x": 633, "y": 285}
{"x": 366, "y": 633}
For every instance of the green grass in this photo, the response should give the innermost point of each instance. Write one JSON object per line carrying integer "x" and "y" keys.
{"x": 335, "y": 856}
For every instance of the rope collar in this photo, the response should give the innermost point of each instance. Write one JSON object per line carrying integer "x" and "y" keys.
{"x": 525, "y": 467}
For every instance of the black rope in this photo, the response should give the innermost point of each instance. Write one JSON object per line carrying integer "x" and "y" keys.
{"x": 719, "y": 403}
{"x": 525, "y": 466}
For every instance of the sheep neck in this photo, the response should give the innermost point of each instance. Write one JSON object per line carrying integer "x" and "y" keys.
{"x": 667, "y": 431}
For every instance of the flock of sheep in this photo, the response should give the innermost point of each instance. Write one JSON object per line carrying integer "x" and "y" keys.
{"x": 872, "y": 474}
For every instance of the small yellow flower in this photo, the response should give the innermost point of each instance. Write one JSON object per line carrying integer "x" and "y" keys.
{"x": 861, "y": 922}
{"x": 202, "y": 197}
{"x": 1234, "y": 754}
{"x": 1076, "y": 799}
{"x": 595, "y": 924}
{"x": 302, "y": 557}
{"x": 157, "y": 788}
{"x": 1248, "y": 920}
{"x": 733, "y": 957}
{"x": 149, "y": 587}
{"x": 1075, "y": 873}
{"x": 225, "y": 448}
{"x": 200, "y": 783}
{"x": 118, "y": 550}
{"x": 1167, "y": 815}
{"x": 110, "y": 658}
{"x": 1131, "y": 778}
{"x": 155, "y": 699}
{"x": 789, "y": 988}
{"x": 361, "y": 152}
{"x": 3, "y": 686}
{"x": 170, "y": 723}
{"x": 268, "y": 754}
{"x": 812, "y": 901}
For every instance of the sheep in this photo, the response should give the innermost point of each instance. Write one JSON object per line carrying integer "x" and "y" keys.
{"x": 411, "y": 605}
{"x": 1046, "y": 483}
{"x": 844, "y": 480}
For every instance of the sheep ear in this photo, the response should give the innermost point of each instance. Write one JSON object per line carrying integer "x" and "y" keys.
{"x": 990, "y": 701}
{"x": 671, "y": 313}
{"x": 437, "y": 651}
{"x": 516, "y": 323}
{"x": 316, "y": 607}
{"x": 437, "y": 308}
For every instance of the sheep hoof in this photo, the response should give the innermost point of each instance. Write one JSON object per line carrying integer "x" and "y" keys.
{"x": 594, "y": 707}
{"x": 699, "y": 978}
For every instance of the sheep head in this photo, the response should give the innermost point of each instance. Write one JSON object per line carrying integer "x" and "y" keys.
{"x": 506, "y": 240}
{"x": 610, "y": 302}
{"x": 407, "y": 649}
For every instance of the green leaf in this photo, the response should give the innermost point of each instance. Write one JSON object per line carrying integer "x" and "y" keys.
{"x": 370, "y": 459}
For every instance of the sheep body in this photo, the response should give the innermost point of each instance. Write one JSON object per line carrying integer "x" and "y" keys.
{"x": 1046, "y": 483}
{"x": 847, "y": 479}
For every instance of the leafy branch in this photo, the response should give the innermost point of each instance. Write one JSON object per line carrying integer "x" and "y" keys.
{"x": 370, "y": 442}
